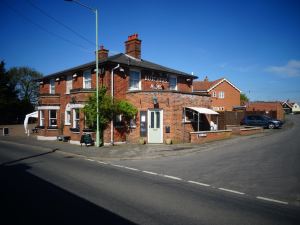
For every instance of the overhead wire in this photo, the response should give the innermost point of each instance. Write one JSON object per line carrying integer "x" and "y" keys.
{"x": 44, "y": 29}
{"x": 60, "y": 23}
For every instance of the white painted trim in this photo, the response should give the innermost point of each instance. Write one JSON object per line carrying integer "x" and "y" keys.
{"x": 224, "y": 79}
{"x": 55, "y": 107}
{"x": 46, "y": 138}
{"x": 76, "y": 106}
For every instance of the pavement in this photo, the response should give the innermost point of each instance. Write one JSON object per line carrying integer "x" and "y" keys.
{"x": 124, "y": 151}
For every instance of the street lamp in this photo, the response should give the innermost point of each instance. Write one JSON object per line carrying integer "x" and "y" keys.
{"x": 97, "y": 69}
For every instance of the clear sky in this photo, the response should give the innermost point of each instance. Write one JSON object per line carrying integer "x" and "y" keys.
{"x": 255, "y": 44}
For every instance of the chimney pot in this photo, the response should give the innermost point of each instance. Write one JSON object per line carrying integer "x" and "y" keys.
{"x": 102, "y": 52}
{"x": 133, "y": 46}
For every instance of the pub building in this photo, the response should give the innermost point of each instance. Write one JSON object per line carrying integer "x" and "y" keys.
{"x": 167, "y": 106}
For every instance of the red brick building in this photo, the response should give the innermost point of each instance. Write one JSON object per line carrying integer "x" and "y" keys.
{"x": 273, "y": 109}
{"x": 224, "y": 95}
{"x": 161, "y": 95}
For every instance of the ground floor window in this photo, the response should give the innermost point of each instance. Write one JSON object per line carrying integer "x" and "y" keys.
{"x": 68, "y": 117}
{"x": 42, "y": 118}
{"x": 76, "y": 118}
{"x": 52, "y": 118}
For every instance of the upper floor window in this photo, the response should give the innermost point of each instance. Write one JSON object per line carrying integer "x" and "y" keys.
{"x": 69, "y": 84}
{"x": 87, "y": 79}
{"x": 52, "y": 86}
{"x": 214, "y": 94}
{"x": 221, "y": 94}
{"x": 135, "y": 80}
{"x": 173, "y": 83}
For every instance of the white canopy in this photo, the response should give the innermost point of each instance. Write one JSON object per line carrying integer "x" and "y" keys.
{"x": 203, "y": 110}
{"x": 33, "y": 114}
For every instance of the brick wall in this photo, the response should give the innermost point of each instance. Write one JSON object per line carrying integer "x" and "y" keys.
{"x": 274, "y": 109}
{"x": 231, "y": 96}
{"x": 172, "y": 104}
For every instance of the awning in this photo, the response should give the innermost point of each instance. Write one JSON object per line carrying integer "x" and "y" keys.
{"x": 33, "y": 114}
{"x": 203, "y": 110}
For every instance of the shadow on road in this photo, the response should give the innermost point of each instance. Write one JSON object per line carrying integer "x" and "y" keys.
{"x": 28, "y": 157}
{"x": 27, "y": 199}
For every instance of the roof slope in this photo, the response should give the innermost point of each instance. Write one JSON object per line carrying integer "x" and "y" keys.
{"x": 124, "y": 59}
{"x": 207, "y": 86}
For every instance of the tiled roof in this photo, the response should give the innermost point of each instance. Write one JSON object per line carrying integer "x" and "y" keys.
{"x": 124, "y": 59}
{"x": 205, "y": 85}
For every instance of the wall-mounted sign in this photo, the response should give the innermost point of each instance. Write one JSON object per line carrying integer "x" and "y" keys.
{"x": 162, "y": 78}
{"x": 156, "y": 86}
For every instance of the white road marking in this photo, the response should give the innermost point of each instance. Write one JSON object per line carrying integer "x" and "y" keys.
{"x": 102, "y": 162}
{"x": 116, "y": 165}
{"x": 272, "y": 200}
{"x": 232, "y": 191}
{"x": 171, "y": 177}
{"x": 90, "y": 160}
{"x": 148, "y": 172}
{"x": 130, "y": 168}
{"x": 198, "y": 183}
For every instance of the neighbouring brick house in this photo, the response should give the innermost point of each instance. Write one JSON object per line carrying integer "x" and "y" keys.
{"x": 163, "y": 97}
{"x": 224, "y": 95}
{"x": 273, "y": 109}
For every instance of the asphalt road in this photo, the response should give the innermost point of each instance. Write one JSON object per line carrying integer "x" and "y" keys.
{"x": 38, "y": 186}
{"x": 267, "y": 165}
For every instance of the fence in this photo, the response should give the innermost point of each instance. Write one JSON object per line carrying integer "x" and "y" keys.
{"x": 235, "y": 117}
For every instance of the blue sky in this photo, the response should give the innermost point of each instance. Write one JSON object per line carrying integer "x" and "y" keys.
{"x": 255, "y": 44}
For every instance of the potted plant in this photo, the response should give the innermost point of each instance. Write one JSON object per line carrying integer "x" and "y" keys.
{"x": 168, "y": 141}
{"x": 142, "y": 141}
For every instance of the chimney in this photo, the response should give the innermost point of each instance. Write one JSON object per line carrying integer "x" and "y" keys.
{"x": 102, "y": 53}
{"x": 133, "y": 46}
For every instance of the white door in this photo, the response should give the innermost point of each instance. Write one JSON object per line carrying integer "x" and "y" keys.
{"x": 155, "y": 126}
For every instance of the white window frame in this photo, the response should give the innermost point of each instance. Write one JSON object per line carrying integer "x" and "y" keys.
{"x": 42, "y": 118}
{"x": 52, "y": 118}
{"x": 214, "y": 94}
{"x": 172, "y": 77}
{"x": 221, "y": 94}
{"x": 68, "y": 117}
{"x": 139, "y": 82}
{"x": 69, "y": 84}
{"x": 87, "y": 78}
{"x": 52, "y": 86}
{"x": 76, "y": 119}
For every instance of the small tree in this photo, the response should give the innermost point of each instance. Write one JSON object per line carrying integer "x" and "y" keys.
{"x": 244, "y": 99}
{"x": 107, "y": 108}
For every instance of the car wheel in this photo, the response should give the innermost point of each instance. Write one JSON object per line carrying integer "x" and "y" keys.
{"x": 271, "y": 126}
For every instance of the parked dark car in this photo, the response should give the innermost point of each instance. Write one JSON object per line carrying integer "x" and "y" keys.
{"x": 262, "y": 121}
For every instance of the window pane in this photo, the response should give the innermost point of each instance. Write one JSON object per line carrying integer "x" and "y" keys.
{"x": 152, "y": 120}
{"x": 157, "y": 119}
{"x": 52, "y": 118}
{"x": 69, "y": 84}
{"x": 134, "y": 80}
{"x": 172, "y": 83}
{"x": 52, "y": 86}
{"x": 87, "y": 79}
